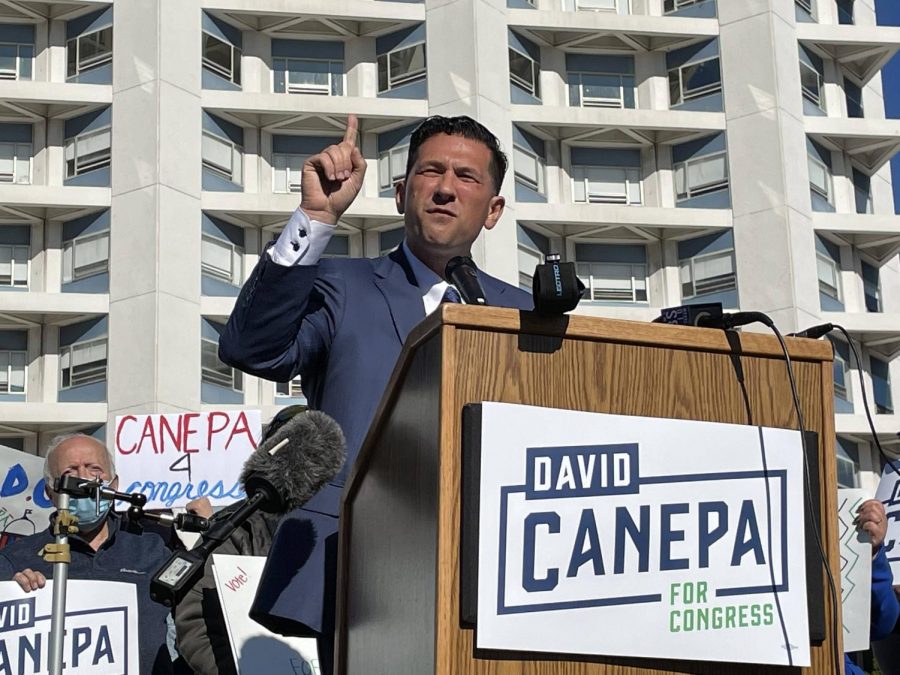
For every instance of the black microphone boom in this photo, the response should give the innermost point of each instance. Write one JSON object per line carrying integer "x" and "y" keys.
{"x": 462, "y": 273}
{"x": 283, "y": 473}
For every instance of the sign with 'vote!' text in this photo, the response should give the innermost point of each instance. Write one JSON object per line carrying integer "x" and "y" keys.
{"x": 634, "y": 536}
{"x": 175, "y": 458}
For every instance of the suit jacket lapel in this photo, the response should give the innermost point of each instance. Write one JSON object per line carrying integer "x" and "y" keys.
{"x": 396, "y": 281}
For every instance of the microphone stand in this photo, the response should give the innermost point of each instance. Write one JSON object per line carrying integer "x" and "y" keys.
{"x": 60, "y": 552}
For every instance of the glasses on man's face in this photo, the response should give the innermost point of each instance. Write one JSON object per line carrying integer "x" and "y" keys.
{"x": 281, "y": 418}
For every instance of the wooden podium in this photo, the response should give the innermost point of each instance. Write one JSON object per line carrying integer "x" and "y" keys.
{"x": 398, "y": 609}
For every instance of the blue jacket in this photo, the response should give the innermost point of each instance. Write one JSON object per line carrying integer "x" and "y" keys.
{"x": 125, "y": 557}
{"x": 885, "y": 606}
{"x": 340, "y": 325}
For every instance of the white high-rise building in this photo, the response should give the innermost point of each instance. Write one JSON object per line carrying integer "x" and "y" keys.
{"x": 676, "y": 150}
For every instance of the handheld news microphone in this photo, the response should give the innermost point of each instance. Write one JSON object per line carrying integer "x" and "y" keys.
{"x": 461, "y": 272}
{"x": 283, "y": 473}
{"x": 555, "y": 286}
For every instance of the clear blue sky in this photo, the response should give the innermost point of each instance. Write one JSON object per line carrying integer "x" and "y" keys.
{"x": 889, "y": 15}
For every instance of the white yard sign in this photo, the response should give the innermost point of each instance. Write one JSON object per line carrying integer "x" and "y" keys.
{"x": 255, "y": 649}
{"x": 175, "y": 458}
{"x": 101, "y": 635}
{"x": 633, "y": 536}
{"x": 856, "y": 572}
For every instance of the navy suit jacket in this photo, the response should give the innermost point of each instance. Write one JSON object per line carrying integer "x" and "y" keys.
{"x": 340, "y": 325}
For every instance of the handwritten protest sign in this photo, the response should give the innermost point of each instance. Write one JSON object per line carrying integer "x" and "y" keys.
{"x": 856, "y": 572}
{"x": 101, "y": 629}
{"x": 255, "y": 649}
{"x": 175, "y": 458}
{"x": 24, "y": 507}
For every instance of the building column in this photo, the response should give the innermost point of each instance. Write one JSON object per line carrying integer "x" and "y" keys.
{"x": 154, "y": 314}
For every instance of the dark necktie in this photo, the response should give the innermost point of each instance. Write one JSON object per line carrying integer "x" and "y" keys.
{"x": 451, "y": 295}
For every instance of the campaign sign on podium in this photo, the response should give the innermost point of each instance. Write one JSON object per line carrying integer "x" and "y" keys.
{"x": 633, "y": 536}
{"x": 101, "y": 636}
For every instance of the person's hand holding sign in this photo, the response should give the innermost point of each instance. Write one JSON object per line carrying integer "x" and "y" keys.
{"x": 332, "y": 179}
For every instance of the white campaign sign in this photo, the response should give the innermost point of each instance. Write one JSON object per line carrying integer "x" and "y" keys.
{"x": 175, "y": 458}
{"x": 856, "y": 572}
{"x": 634, "y": 536}
{"x": 888, "y": 493}
{"x": 101, "y": 628}
{"x": 24, "y": 507}
{"x": 255, "y": 649}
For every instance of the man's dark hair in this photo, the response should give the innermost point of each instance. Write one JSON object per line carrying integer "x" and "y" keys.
{"x": 463, "y": 126}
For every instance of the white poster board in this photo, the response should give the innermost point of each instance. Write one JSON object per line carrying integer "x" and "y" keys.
{"x": 856, "y": 572}
{"x": 24, "y": 508}
{"x": 101, "y": 628}
{"x": 175, "y": 458}
{"x": 634, "y": 536}
{"x": 888, "y": 493}
{"x": 256, "y": 649}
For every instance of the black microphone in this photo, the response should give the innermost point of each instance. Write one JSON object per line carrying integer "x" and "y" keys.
{"x": 186, "y": 522}
{"x": 815, "y": 332}
{"x": 555, "y": 286}
{"x": 462, "y": 273}
{"x": 283, "y": 473}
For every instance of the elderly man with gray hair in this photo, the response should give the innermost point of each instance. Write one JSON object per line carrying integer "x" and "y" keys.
{"x": 101, "y": 550}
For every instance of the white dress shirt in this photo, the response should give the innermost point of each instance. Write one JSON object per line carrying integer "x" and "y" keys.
{"x": 303, "y": 241}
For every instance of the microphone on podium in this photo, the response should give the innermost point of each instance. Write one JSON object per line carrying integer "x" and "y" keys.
{"x": 283, "y": 473}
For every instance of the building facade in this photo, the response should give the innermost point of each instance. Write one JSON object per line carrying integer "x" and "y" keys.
{"x": 676, "y": 150}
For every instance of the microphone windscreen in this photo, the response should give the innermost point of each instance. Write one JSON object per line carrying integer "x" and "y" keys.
{"x": 314, "y": 453}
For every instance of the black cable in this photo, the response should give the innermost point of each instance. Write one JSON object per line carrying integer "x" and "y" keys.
{"x": 832, "y": 588}
{"x": 865, "y": 400}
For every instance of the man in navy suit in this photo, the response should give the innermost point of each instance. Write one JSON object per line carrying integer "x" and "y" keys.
{"x": 340, "y": 323}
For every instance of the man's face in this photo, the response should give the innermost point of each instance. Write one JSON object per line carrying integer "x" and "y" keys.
{"x": 448, "y": 197}
{"x": 82, "y": 457}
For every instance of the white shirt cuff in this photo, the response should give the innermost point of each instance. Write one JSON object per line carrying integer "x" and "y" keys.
{"x": 302, "y": 241}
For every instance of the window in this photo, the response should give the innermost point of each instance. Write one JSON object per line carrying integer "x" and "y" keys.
{"x": 841, "y": 372}
{"x": 881, "y": 386}
{"x": 819, "y": 177}
{"x": 694, "y": 80}
{"x": 89, "y": 51}
{"x": 805, "y": 5}
{"x": 533, "y": 246}
{"x": 83, "y": 363}
{"x": 862, "y": 191}
{"x": 708, "y": 273}
{"x": 596, "y": 5}
{"x": 13, "y": 372}
{"x": 529, "y": 169}
{"x": 290, "y": 389}
{"x": 871, "y": 287}
{"x": 16, "y": 61}
{"x": 15, "y": 163}
{"x": 14, "y": 266}
{"x": 88, "y": 152}
{"x": 525, "y": 72}
{"x": 287, "y": 172}
{"x": 222, "y": 58}
{"x": 401, "y": 66}
{"x": 614, "y": 282}
{"x": 601, "y": 90}
{"x": 845, "y": 12}
{"x": 392, "y": 166}
{"x": 307, "y": 76}
{"x": 847, "y": 463}
{"x": 223, "y": 157}
{"x": 222, "y": 260}
{"x": 701, "y": 175}
{"x": 854, "y": 97}
{"x": 85, "y": 256}
{"x": 829, "y": 273}
{"x": 606, "y": 184}
{"x": 670, "y": 6}
{"x": 811, "y": 84}
{"x": 214, "y": 371}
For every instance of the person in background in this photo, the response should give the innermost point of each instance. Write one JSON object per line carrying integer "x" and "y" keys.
{"x": 102, "y": 550}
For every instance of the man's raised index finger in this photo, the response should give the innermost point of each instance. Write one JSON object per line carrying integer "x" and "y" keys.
{"x": 352, "y": 126}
